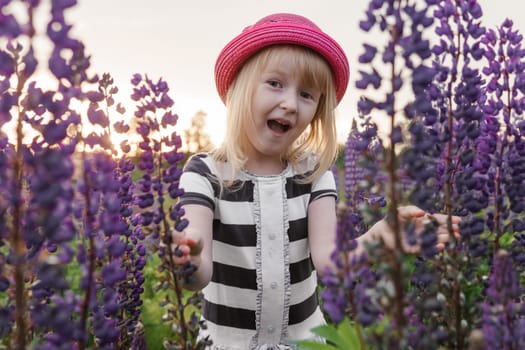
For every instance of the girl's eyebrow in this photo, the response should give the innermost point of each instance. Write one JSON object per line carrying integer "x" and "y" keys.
{"x": 286, "y": 74}
{"x": 276, "y": 70}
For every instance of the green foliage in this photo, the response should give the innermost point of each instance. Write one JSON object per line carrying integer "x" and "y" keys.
{"x": 160, "y": 310}
{"x": 344, "y": 336}
{"x": 155, "y": 331}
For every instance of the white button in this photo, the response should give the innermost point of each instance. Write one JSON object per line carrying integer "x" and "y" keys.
{"x": 271, "y": 236}
{"x": 274, "y": 285}
{"x": 271, "y": 329}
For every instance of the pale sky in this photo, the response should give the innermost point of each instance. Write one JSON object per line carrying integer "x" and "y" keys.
{"x": 180, "y": 40}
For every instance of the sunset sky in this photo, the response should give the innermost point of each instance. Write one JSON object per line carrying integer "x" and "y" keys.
{"x": 180, "y": 40}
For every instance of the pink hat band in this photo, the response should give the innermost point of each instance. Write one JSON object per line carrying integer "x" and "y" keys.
{"x": 280, "y": 29}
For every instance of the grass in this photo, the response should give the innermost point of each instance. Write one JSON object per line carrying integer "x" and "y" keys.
{"x": 151, "y": 317}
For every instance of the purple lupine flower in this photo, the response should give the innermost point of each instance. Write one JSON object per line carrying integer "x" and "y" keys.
{"x": 41, "y": 193}
{"x": 369, "y": 54}
{"x": 105, "y": 329}
{"x": 6, "y": 321}
{"x": 353, "y": 173}
{"x": 366, "y": 300}
{"x": 36, "y": 183}
{"x": 504, "y": 104}
{"x": 466, "y": 114}
{"x": 443, "y": 122}
{"x": 153, "y": 96}
{"x": 7, "y": 102}
{"x": 502, "y": 309}
{"x": 337, "y": 294}
{"x": 139, "y": 341}
{"x": 97, "y": 116}
{"x": 458, "y": 129}
{"x": 61, "y": 319}
{"x": 74, "y": 69}
{"x": 364, "y": 177}
{"x": 107, "y": 247}
{"x": 161, "y": 150}
{"x": 429, "y": 239}
{"x": 122, "y": 275}
{"x": 131, "y": 290}
{"x": 369, "y": 79}
{"x": 334, "y": 297}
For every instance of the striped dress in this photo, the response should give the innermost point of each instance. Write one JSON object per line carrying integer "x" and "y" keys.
{"x": 263, "y": 291}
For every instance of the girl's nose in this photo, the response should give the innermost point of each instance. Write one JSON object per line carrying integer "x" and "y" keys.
{"x": 289, "y": 102}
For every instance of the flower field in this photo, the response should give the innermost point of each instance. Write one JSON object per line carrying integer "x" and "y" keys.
{"x": 85, "y": 223}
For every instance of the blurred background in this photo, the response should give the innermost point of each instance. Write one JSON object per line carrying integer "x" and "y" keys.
{"x": 180, "y": 40}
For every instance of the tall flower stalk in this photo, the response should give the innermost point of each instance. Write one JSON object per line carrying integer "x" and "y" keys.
{"x": 68, "y": 198}
{"x": 404, "y": 55}
{"x": 161, "y": 215}
{"x": 445, "y": 149}
{"x": 503, "y": 105}
{"x": 456, "y": 120}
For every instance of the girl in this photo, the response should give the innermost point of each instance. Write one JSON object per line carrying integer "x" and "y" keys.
{"x": 262, "y": 207}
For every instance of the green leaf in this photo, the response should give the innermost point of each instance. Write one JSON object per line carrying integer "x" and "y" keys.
{"x": 343, "y": 337}
{"x": 506, "y": 239}
{"x": 349, "y": 334}
{"x": 330, "y": 333}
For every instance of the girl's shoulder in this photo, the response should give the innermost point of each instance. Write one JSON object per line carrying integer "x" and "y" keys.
{"x": 205, "y": 164}
{"x": 198, "y": 163}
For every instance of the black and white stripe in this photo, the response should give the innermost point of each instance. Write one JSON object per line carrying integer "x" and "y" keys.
{"x": 230, "y": 299}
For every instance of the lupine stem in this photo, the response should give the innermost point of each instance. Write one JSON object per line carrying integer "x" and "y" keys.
{"x": 18, "y": 242}
{"x": 497, "y": 179}
{"x": 92, "y": 256}
{"x": 353, "y": 304}
{"x": 449, "y": 181}
{"x": 456, "y": 288}
{"x": 397, "y": 273}
{"x": 172, "y": 266}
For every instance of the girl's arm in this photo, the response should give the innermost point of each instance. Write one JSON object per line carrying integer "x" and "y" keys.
{"x": 322, "y": 223}
{"x": 322, "y": 226}
{"x": 418, "y": 218}
{"x": 195, "y": 244}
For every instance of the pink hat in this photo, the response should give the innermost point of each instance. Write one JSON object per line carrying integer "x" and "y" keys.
{"x": 281, "y": 28}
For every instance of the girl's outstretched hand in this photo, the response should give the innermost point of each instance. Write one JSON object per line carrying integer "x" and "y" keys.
{"x": 186, "y": 253}
{"x": 191, "y": 248}
{"x": 412, "y": 221}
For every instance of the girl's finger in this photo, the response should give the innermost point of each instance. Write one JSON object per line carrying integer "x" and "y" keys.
{"x": 177, "y": 237}
{"x": 443, "y": 237}
{"x": 180, "y": 253}
{"x": 410, "y": 212}
{"x": 194, "y": 246}
{"x": 411, "y": 249}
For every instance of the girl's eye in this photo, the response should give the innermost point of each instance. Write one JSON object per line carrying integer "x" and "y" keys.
{"x": 274, "y": 83}
{"x": 307, "y": 95}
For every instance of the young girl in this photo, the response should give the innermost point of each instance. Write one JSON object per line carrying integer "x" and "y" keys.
{"x": 262, "y": 207}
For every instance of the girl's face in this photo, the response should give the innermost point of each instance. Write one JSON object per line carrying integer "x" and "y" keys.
{"x": 282, "y": 108}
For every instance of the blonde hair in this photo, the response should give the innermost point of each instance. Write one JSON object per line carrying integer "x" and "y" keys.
{"x": 319, "y": 139}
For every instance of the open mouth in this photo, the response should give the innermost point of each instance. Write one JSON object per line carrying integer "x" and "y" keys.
{"x": 277, "y": 126}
